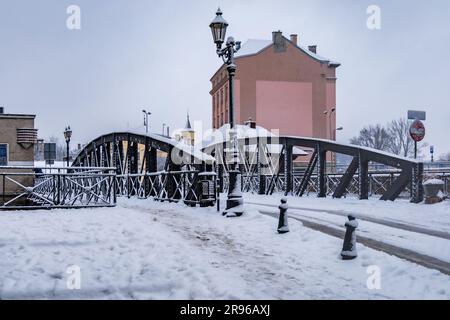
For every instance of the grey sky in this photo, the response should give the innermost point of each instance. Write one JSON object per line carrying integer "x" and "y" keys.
{"x": 159, "y": 54}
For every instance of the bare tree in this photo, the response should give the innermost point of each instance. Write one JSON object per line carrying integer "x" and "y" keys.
{"x": 394, "y": 138}
{"x": 445, "y": 157}
{"x": 376, "y": 137}
{"x": 401, "y": 142}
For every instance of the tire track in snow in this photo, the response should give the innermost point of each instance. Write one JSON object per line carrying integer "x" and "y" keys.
{"x": 402, "y": 253}
{"x": 388, "y": 223}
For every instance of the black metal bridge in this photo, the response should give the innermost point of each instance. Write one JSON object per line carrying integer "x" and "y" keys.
{"x": 265, "y": 171}
{"x": 151, "y": 165}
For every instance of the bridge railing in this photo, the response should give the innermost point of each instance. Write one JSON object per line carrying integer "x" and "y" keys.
{"x": 379, "y": 182}
{"x": 191, "y": 186}
{"x": 43, "y": 187}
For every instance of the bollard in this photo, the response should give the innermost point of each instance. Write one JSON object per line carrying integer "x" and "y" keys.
{"x": 349, "y": 248}
{"x": 283, "y": 219}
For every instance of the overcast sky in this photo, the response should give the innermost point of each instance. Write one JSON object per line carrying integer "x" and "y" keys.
{"x": 131, "y": 54}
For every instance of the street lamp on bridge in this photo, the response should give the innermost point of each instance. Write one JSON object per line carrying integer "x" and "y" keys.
{"x": 67, "y": 136}
{"x": 235, "y": 201}
{"x": 146, "y": 114}
{"x": 328, "y": 114}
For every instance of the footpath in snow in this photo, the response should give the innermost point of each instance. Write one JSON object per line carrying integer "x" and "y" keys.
{"x": 144, "y": 249}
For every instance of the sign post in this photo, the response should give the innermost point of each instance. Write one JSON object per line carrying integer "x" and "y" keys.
{"x": 49, "y": 153}
{"x": 432, "y": 153}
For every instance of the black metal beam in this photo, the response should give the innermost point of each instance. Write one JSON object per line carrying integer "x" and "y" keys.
{"x": 307, "y": 175}
{"x": 363, "y": 177}
{"x": 397, "y": 187}
{"x": 287, "y": 169}
{"x": 417, "y": 183}
{"x": 321, "y": 169}
{"x": 261, "y": 176}
{"x": 346, "y": 178}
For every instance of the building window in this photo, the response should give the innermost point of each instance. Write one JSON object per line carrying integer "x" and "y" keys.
{"x": 3, "y": 154}
{"x": 226, "y": 95}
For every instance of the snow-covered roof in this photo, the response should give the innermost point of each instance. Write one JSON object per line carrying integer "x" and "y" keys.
{"x": 255, "y": 46}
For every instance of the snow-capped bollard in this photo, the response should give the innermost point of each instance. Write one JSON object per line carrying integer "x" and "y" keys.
{"x": 283, "y": 226}
{"x": 349, "y": 248}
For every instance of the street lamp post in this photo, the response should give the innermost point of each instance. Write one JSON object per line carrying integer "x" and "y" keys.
{"x": 329, "y": 114}
{"x": 335, "y": 138}
{"x": 235, "y": 201}
{"x": 336, "y": 130}
{"x": 146, "y": 114}
{"x": 67, "y": 136}
{"x": 163, "y": 129}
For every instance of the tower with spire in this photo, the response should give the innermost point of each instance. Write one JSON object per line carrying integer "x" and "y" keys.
{"x": 188, "y": 134}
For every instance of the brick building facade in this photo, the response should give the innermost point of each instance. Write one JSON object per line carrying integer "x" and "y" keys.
{"x": 280, "y": 85}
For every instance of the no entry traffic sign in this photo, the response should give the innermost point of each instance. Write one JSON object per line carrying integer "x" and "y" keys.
{"x": 417, "y": 131}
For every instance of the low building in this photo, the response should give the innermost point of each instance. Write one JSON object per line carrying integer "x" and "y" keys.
{"x": 17, "y": 139}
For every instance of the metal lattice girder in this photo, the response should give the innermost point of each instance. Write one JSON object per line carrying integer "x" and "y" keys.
{"x": 417, "y": 183}
{"x": 275, "y": 175}
{"x": 363, "y": 178}
{"x": 261, "y": 176}
{"x": 346, "y": 178}
{"x": 378, "y": 184}
{"x": 287, "y": 168}
{"x": 321, "y": 168}
{"x": 152, "y": 141}
{"x": 78, "y": 187}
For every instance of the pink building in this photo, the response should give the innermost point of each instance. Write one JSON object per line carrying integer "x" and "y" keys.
{"x": 280, "y": 85}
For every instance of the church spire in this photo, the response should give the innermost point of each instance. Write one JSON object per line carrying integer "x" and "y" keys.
{"x": 188, "y": 122}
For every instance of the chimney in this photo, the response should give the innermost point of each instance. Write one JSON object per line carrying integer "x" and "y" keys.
{"x": 2, "y": 110}
{"x": 312, "y": 49}
{"x": 294, "y": 39}
{"x": 279, "y": 42}
{"x": 276, "y": 36}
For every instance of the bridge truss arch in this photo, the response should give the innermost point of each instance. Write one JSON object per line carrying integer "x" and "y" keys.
{"x": 265, "y": 171}
{"x": 149, "y": 165}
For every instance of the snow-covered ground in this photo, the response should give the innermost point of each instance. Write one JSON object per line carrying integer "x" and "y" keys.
{"x": 430, "y": 217}
{"x": 147, "y": 250}
{"x": 435, "y": 217}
